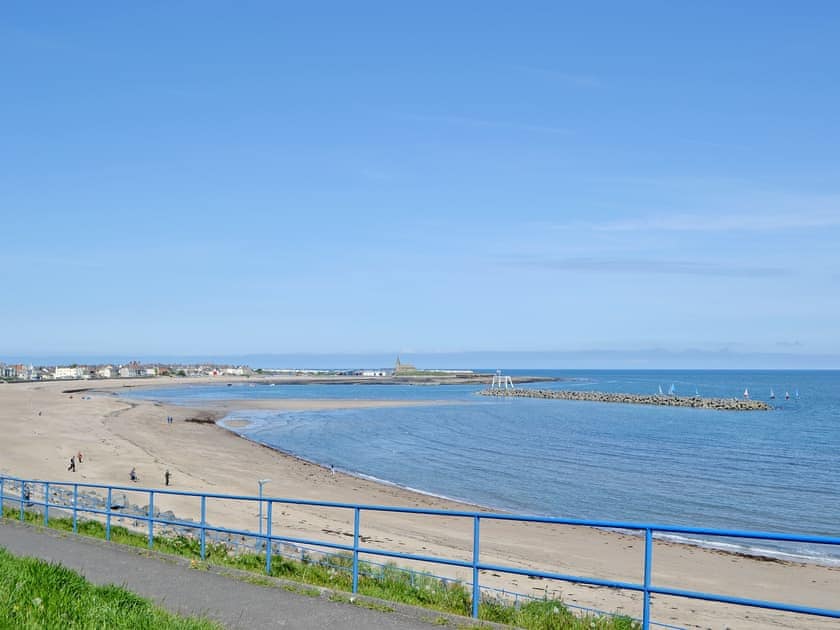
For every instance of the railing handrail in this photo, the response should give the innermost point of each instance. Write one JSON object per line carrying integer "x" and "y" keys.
{"x": 475, "y": 564}
{"x": 501, "y": 516}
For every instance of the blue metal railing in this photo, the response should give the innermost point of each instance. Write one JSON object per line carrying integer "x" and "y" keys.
{"x": 645, "y": 587}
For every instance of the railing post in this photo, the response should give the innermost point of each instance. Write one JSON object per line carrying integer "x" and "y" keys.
{"x": 75, "y": 508}
{"x": 648, "y": 560}
{"x": 22, "y": 492}
{"x": 476, "y": 591}
{"x": 268, "y": 538}
{"x": 356, "y": 519}
{"x": 46, "y": 503}
{"x": 151, "y": 518}
{"x": 2, "y": 502}
{"x": 203, "y": 525}
{"x": 108, "y": 517}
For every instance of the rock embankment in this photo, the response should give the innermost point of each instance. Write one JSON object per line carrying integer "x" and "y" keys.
{"x": 722, "y": 404}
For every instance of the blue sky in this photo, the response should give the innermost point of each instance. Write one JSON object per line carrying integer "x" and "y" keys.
{"x": 208, "y": 178}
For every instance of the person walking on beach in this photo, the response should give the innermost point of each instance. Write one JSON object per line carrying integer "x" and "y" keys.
{"x": 133, "y": 474}
{"x": 79, "y": 457}
{"x": 166, "y": 476}
{"x": 72, "y": 466}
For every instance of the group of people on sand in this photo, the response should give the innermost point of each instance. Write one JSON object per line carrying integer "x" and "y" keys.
{"x": 167, "y": 476}
{"x": 132, "y": 475}
{"x": 77, "y": 458}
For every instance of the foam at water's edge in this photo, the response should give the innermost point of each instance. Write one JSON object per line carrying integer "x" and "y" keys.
{"x": 359, "y": 475}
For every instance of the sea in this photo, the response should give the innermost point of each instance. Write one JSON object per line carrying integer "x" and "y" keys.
{"x": 775, "y": 471}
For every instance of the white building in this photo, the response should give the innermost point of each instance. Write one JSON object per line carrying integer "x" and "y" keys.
{"x": 69, "y": 372}
{"x": 106, "y": 371}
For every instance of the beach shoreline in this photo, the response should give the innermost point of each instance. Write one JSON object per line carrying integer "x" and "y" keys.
{"x": 45, "y": 423}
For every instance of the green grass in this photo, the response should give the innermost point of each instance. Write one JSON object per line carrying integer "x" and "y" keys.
{"x": 387, "y": 583}
{"x": 36, "y": 594}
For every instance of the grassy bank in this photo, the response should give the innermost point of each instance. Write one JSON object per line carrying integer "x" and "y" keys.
{"x": 388, "y": 582}
{"x": 36, "y": 594}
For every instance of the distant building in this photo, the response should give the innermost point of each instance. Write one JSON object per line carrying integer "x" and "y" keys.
{"x": 107, "y": 371}
{"x": 131, "y": 370}
{"x": 403, "y": 368}
{"x": 69, "y": 372}
{"x": 20, "y": 372}
{"x": 373, "y": 373}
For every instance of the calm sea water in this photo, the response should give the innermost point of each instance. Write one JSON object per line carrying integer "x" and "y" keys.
{"x": 774, "y": 471}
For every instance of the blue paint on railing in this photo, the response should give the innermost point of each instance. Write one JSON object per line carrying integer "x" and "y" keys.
{"x": 269, "y": 539}
{"x": 648, "y": 562}
{"x": 476, "y": 593}
{"x": 356, "y": 525}
{"x": 203, "y": 527}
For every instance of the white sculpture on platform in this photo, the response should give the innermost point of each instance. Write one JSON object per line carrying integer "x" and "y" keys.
{"x": 501, "y": 382}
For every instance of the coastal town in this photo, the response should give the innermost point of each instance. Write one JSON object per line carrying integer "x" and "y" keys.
{"x": 135, "y": 369}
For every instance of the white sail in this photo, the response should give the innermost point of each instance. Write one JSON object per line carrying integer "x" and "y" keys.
{"x": 746, "y": 393}
{"x": 772, "y": 393}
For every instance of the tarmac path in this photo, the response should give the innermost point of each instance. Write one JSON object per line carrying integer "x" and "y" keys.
{"x": 172, "y": 584}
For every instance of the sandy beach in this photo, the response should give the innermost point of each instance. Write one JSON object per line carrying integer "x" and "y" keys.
{"x": 42, "y": 426}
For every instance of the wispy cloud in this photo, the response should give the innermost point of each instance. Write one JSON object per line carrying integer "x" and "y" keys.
{"x": 642, "y": 266}
{"x": 570, "y": 78}
{"x": 374, "y": 174}
{"x": 469, "y": 121}
{"x": 32, "y": 40}
{"x": 722, "y": 223}
{"x": 789, "y": 344}
{"x": 728, "y": 206}
{"x": 36, "y": 261}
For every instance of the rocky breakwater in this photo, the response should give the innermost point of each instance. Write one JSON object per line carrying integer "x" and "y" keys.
{"x": 721, "y": 404}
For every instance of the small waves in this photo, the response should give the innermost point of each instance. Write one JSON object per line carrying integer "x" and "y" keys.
{"x": 769, "y": 471}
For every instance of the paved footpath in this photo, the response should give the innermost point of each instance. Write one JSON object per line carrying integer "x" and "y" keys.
{"x": 173, "y": 585}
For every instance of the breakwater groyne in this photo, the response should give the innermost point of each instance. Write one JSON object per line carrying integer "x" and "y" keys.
{"x": 721, "y": 404}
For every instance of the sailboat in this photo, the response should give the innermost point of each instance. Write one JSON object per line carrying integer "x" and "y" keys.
{"x": 696, "y": 392}
{"x": 787, "y": 395}
{"x": 672, "y": 391}
{"x": 746, "y": 393}
{"x": 796, "y": 394}
{"x": 772, "y": 394}
{"x": 660, "y": 391}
